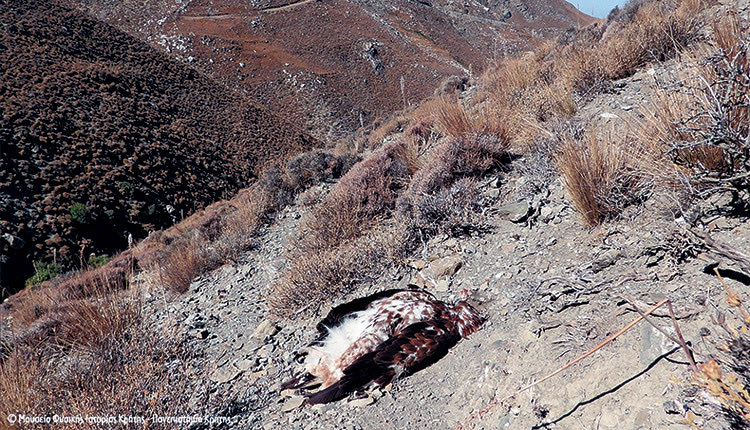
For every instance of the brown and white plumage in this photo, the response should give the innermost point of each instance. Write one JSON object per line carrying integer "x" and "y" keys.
{"x": 377, "y": 338}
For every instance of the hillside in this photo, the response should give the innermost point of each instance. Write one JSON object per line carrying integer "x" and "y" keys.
{"x": 591, "y": 199}
{"x": 338, "y": 64}
{"x": 103, "y": 137}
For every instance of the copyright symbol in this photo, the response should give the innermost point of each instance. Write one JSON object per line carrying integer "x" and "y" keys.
{"x": 12, "y": 418}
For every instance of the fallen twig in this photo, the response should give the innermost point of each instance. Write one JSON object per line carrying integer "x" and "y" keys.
{"x": 725, "y": 250}
{"x": 494, "y": 403}
{"x": 679, "y": 340}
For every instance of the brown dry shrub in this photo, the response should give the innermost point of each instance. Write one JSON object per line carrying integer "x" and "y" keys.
{"x": 603, "y": 176}
{"x": 101, "y": 359}
{"x": 182, "y": 261}
{"x": 353, "y": 233}
{"x": 701, "y": 117}
{"x": 366, "y": 193}
{"x": 451, "y": 119}
{"x": 582, "y": 69}
{"x": 35, "y": 302}
{"x": 656, "y": 31}
{"x": 392, "y": 126}
{"x": 328, "y": 273}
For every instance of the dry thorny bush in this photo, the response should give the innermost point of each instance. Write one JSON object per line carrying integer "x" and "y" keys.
{"x": 702, "y": 117}
{"x": 726, "y": 375}
{"x": 399, "y": 195}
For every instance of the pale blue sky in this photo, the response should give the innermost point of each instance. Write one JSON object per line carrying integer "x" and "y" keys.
{"x": 597, "y": 8}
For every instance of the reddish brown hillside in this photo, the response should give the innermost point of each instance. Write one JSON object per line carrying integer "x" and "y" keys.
{"x": 338, "y": 63}
{"x": 102, "y": 136}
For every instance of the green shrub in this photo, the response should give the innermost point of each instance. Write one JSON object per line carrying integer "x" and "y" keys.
{"x": 97, "y": 261}
{"x": 80, "y": 213}
{"x": 43, "y": 272}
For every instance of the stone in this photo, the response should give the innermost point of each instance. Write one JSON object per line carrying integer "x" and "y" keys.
{"x": 514, "y": 212}
{"x": 442, "y": 285}
{"x": 443, "y": 268}
{"x": 508, "y": 248}
{"x": 201, "y": 334}
{"x": 610, "y": 420}
{"x": 224, "y": 374}
{"x": 287, "y": 393}
{"x": 292, "y": 403}
{"x": 504, "y": 423}
{"x": 244, "y": 364}
{"x": 608, "y": 115}
{"x": 266, "y": 350}
{"x": 605, "y": 260}
{"x": 265, "y": 330}
{"x": 653, "y": 344}
{"x": 674, "y": 407}
{"x": 720, "y": 223}
{"x": 362, "y": 402}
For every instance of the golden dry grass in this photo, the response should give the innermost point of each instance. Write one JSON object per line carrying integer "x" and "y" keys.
{"x": 603, "y": 175}
{"x": 91, "y": 353}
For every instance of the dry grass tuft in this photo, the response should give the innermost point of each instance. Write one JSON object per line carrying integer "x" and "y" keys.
{"x": 99, "y": 357}
{"x": 656, "y": 31}
{"x": 602, "y": 176}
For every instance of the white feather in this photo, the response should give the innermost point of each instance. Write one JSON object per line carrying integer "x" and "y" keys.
{"x": 340, "y": 338}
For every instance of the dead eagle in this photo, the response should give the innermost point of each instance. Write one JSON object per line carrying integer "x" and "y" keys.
{"x": 378, "y": 338}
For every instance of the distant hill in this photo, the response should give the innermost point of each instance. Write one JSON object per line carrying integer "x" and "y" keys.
{"x": 101, "y": 136}
{"x": 337, "y": 64}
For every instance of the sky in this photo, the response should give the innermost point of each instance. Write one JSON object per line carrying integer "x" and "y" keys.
{"x": 597, "y": 8}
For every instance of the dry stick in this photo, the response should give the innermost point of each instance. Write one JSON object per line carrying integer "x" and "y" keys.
{"x": 682, "y": 342}
{"x": 572, "y": 362}
{"x": 679, "y": 340}
{"x": 725, "y": 250}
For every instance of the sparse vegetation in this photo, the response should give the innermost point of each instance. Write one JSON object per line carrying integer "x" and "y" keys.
{"x": 43, "y": 271}
{"x": 401, "y": 194}
{"x": 92, "y": 355}
{"x": 702, "y": 117}
{"x": 224, "y": 231}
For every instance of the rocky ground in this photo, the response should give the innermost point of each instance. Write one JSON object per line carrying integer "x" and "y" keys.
{"x": 550, "y": 288}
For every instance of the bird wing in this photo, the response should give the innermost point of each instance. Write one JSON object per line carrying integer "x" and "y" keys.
{"x": 337, "y": 314}
{"x": 414, "y": 348}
